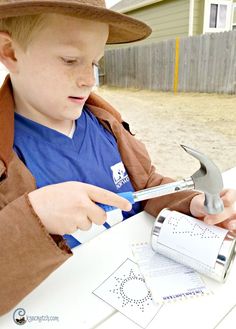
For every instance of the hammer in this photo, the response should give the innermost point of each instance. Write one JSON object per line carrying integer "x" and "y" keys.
{"x": 207, "y": 179}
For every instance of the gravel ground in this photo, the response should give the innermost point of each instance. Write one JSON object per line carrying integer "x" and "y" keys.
{"x": 163, "y": 121}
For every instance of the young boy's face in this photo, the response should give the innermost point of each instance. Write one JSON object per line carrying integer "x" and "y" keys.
{"x": 55, "y": 75}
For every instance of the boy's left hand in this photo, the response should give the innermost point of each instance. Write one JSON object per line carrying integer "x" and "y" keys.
{"x": 226, "y": 219}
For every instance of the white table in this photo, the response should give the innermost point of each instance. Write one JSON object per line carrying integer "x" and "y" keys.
{"x": 67, "y": 293}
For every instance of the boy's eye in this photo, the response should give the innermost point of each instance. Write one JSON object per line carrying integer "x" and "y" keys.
{"x": 69, "y": 61}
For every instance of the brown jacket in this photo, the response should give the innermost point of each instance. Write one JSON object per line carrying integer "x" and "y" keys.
{"x": 28, "y": 253}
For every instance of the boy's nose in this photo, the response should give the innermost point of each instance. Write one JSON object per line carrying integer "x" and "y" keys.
{"x": 86, "y": 77}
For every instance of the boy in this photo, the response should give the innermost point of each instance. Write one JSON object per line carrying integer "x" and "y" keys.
{"x": 59, "y": 142}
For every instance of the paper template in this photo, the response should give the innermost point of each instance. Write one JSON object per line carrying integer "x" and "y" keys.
{"x": 192, "y": 237}
{"x": 126, "y": 291}
{"x": 166, "y": 279}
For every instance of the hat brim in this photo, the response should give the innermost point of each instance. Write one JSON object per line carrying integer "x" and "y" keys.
{"x": 122, "y": 28}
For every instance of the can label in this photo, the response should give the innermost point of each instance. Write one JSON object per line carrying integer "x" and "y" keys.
{"x": 187, "y": 240}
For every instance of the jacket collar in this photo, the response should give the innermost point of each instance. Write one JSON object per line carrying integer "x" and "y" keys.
{"x": 98, "y": 106}
{"x": 6, "y": 121}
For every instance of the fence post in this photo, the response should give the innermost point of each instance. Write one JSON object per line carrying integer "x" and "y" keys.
{"x": 176, "y": 70}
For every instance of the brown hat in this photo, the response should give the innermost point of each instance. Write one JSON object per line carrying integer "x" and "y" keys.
{"x": 122, "y": 28}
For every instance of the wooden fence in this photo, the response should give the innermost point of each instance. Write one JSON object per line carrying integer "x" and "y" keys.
{"x": 204, "y": 63}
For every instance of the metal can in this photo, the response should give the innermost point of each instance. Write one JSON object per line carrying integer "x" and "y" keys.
{"x": 223, "y": 256}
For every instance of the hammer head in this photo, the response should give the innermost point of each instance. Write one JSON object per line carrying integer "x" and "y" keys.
{"x": 207, "y": 179}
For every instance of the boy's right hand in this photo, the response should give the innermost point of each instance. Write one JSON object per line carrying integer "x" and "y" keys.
{"x": 66, "y": 207}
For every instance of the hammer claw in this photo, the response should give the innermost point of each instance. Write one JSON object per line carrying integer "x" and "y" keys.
{"x": 207, "y": 179}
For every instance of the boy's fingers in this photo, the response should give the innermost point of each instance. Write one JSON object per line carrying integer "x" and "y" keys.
{"x": 229, "y": 197}
{"x": 84, "y": 225}
{"x": 101, "y": 195}
{"x": 82, "y": 222}
{"x": 216, "y": 219}
{"x": 231, "y": 225}
{"x": 96, "y": 214}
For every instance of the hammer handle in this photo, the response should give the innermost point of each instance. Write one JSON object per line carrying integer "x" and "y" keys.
{"x": 153, "y": 192}
{"x": 127, "y": 195}
{"x": 156, "y": 191}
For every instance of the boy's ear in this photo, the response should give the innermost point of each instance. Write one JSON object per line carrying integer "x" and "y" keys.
{"x": 7, "y": 52}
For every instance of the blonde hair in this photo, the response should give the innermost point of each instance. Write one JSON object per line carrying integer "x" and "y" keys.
{"x": 22, "y": 28}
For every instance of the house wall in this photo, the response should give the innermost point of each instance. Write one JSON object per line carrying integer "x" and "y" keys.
{"x": 198, "y": 17}
{"x": 234, "y": 16}
{"x": 168, "y": 19}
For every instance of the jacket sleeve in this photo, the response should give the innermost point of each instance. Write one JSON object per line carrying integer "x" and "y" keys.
{"x": 144, "y": 175}
{"x": 179, "y": 201}
{"x": 28, "y": 254}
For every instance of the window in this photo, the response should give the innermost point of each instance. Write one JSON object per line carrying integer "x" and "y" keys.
{"x": 234, "y": 18}
{"x": 217, "y": 16}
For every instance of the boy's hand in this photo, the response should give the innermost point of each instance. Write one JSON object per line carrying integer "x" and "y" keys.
{"x": 226, "y": 219}
{"x": 66, "y": 207}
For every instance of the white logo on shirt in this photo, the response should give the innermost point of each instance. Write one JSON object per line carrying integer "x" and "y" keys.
{"x": 120, "y": 176}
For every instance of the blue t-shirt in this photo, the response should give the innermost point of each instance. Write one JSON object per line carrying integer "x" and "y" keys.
{"x": 91, "y": 156}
